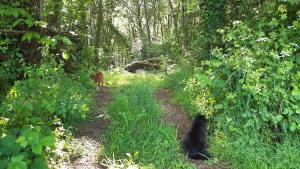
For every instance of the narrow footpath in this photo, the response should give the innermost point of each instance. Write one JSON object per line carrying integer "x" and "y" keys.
{"x": 90, "y": 131}
{"x": 175, "y": 115}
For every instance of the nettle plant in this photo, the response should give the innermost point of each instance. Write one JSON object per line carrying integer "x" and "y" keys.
{"x": 48, "y": 92}
{"x": 12, "y": 61}
{"x": 25, "y": 148}
{"x": 31, "y": 111}
{"x": 254, "y": 79}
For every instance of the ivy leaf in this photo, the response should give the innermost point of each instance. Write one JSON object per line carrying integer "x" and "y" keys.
{"x": 14, "y": 12}
{"x": 283, "y": 17}
{"x": 270, "y": 7}
{"x": 27, "y": 36}
{"x": 66, "y": 40}
{"x": 17, "y": 162}
{"x": 17, "y": 22}
{"x": 65, "y": 55}
{"x": 3, "y": 163}
{"x": 39, "y": 163}
{"x": 31, "y": 137}
{"x": 22, "y": 141}
{"x": 37, "y": 149}
{"x": 47, "y": 141}
{"x": 30, "y": 35}
{"x": 293, "y": 127}
{"x": 53, "y": 43}
{"x": 219, "y": 106}
{"x": 8, "y": 145}
{"x": 29, "y": 22}
{"x": 296, "y": 93}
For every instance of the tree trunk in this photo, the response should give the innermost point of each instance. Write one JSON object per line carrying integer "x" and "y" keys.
{"x": 184, "y": 26}
{"x": 140, "y": 28}
{"x": 54, "y": 20}
{"x": 41, "y": 9}
{"x": 175, "y": 20}
{"x": 83, "y": 22}
{"x": 99, "y": 33}
{"x": 154, "y": 18}
{"x": 147, "y": 21}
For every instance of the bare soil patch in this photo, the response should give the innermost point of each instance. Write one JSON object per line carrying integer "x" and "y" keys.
{"x": 175, "y": 115}
{"x": 90, "y": 131}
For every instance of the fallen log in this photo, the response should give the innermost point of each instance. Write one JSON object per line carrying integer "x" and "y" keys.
{"x": 152, "y": 63}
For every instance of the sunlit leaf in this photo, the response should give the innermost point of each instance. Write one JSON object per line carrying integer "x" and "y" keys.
{"x": 37, "y": 149}
{"x": 65, "y": 55}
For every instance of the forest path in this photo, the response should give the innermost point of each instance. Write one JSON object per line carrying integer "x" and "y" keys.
{"x": 175, "y": 115}
{"x": 90, "y": 131}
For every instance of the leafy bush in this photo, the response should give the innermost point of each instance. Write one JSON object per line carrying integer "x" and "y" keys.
{"x": 257, "y": 74}
{"x": 11, "y": 60}
{"x": 24, "y": 149}
{"x": 249, "y": 88}
{"x": 32, "y": 110}
{"x": 46, "y": 93}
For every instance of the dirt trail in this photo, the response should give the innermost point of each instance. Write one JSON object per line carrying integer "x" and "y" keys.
{"x": 90, "y": 131}
{"x": 176, "y": 116}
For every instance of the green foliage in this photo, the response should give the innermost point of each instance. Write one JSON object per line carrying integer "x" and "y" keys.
{"x": 247, "y": 148}
{"x": 46, "y": 93}
{"x": 136, "y": 118}
{"x": 257, "y": 73}
{"x": 168, "y": 49}
{"x": 213, "y": 15}
{"x": 33, "y": 109}
{"x": 249, "y": 86}
{"x": 25, "y": 150}
{"x": 11, "y": 60}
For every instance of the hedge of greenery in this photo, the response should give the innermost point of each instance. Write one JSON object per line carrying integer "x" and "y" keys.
{"x": 250, "y": 90}
{"x": 34, "y": 110}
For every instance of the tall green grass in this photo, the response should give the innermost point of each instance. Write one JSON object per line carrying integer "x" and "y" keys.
{"x": 136, "y": 129}
{"x": 251, "y": 152}
{"x": 176, "y": 82}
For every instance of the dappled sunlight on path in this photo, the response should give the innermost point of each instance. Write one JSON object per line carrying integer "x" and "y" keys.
{"x": 89, "y": 132}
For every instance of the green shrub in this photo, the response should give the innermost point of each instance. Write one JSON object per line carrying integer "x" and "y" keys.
{"x": 24, "y": 149}
{"x": 48, "y": 92}
{"x": 33, "y": 109}
{"x": 257, "y": 74}
{"x": 248, "y": 87}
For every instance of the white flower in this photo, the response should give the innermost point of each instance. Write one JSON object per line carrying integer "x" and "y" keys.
{"x": 285, "y": 53}
{"x": 294, "y": 45}
{"x": 236, "y": 22}
{"x": 262, "y": 39}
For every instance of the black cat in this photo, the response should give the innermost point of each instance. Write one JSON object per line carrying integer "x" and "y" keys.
{"x": 195, "y": 141}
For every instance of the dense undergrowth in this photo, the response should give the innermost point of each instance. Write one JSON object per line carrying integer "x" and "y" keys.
{"x": 241, "y": 69}
{"x": 249, "y": 90}
{"x": 36, "y": 114}
{"x": 230, "y": 139}
{"x": 137, "y": 134}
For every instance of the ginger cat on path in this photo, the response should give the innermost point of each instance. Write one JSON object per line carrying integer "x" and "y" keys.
{"x": 98, "y": 78}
